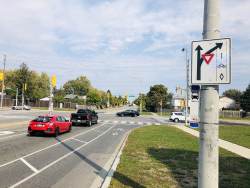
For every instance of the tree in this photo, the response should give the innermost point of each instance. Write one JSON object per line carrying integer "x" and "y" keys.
{"x": 245, "y": 100}
{"x": 155, "y": 95}
{"x": 59, "y": 99}
{"x": 93, "y": 98}
{"x": 138, "y": 100}
{"x": 80, "y": 86}
{"x": 233, "y": 94}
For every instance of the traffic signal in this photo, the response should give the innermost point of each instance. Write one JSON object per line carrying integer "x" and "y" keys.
{"x": 108, "y": 94}
{"x": 182, "y": 102}
{"x": 126, "y": 95}
{"x": 25, "y": 87}
{"x": 53, "y": 80}
{"x": 181, "y": 91}
{"x": 1, "y": 76}
{"x": 176, "y": 89}
{"x": 160, "y": 103}
{"x": 3, "y": 87}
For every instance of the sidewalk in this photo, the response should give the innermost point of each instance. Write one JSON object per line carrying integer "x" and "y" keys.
{"x": 242, "y": 151}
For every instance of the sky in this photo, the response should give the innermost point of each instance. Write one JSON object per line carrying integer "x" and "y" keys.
{"x": 113, "y": 42}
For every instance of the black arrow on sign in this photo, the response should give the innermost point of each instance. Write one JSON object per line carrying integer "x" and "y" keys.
{"x": 200, "y": 60}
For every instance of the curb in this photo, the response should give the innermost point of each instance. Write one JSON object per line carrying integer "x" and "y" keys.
{"x": 106, "y": 173}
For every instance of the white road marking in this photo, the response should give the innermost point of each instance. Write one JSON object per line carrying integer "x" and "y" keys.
{"x": 12, "y": 136}
{"x": 20, "y": 182}
{"x": 131, "y": 122}
{"x": 115, "y": 121}
{"x": 29, "y": 165}
{"x": 123, "y": 122}
{"x": 115, "y": 133}
{"x": 140, "y": 123}
{"x": 106, "y": 121}
{"x": 5, "y": 132}
{"x": 149, "y": 123}
{"x": 79, "y": 140}
{"x": 157, "y": 123}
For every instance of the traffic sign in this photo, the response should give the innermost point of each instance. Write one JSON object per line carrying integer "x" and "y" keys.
{"x": 216, "y": 55}
{"x": 131, "y": 96}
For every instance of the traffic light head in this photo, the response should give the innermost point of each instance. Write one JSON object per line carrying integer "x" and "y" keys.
{"x": 108, "y": 94}
{"x": 53, "y": 80}
{"x": 4, "y": 87}
{"x": 25, "y": 87}
{"x": 1, "y": 76}
{"x": 181, "y": 91}
{"x": 126, "y": 95}
{"x": 176, "y": 89}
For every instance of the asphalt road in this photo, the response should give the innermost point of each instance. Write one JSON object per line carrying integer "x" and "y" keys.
{"x": 70, "y": 160}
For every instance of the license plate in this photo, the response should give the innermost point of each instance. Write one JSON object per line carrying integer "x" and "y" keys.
{"x": 79, "y": 120}
{"x": 39, "y": 125}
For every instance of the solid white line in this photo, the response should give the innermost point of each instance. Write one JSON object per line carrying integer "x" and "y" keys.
{"x": 29, "y": 165}
{"x": 20, "y": 182}
{"x": 49, "y": 146}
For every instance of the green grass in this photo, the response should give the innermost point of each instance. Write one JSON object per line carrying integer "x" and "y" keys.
{"x": 54, "y": 109}
{"x": 237, "y": 134}
{"x": 235, "y": 118}
{"x": 164, "y": 156}
{"x": 144, "y": 111}
{"x": 163, "y": 114}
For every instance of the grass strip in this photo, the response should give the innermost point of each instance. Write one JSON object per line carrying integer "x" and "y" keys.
{"x": 235, "y": 118}
{"x": 144, "y": 111}
{"x": 54, "y": 109}
{"x": 237, "y": 134}
{"x": 163, "y": 114}
{"x": 165, "y": 156}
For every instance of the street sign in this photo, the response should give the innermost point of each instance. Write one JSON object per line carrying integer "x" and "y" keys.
{"x": 131, "y": 96}
{"x": 211, "y": 62}
{"x": 8, "y": 88}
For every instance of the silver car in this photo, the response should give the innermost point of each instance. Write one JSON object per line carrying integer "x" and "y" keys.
{"x": 19, "y": 107}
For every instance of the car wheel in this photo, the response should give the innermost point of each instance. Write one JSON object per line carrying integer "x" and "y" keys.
{"x": 122, "y": 115}
{"x": 56, "y": 132}
{"x": 96, "y": 121}
{"x": 135, "y": 115}
{"x": 32, "y": 134}
{"x": 90, "y": 123}
{"x": 13, "y": 108}
{"x": 69, "y": 129}
{"x": 73, "y": 124}
{"x": 176, "y": 120}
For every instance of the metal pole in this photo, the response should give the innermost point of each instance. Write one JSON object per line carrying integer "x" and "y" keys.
{"x": 187, "y": 71}
{"x": 208, "y": 172}
{"x": 16, "y": 95}
{"x": 161, "y": 107}
{"x": 3, "y": 80}
{"x": 50, "y": 99}
{"x": 141, "y": 98}
{"x": 22, "y": 96}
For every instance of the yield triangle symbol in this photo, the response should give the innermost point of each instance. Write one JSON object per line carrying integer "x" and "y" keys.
{"x": 207, "y": 57}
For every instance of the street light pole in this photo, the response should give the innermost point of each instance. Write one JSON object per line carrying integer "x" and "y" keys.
{"x": 187, "y": 80}
{"x": 141, "y": 95}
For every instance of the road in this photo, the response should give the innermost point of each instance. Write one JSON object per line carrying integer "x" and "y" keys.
{"x": 70, "y": 160}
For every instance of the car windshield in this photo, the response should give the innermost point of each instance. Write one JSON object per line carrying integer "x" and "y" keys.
{"x": 42, "y": 119}
{"x": 84, "y": 111}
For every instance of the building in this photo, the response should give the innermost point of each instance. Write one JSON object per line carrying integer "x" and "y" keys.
{"x": 176, "y": 102}
{"x": 225, "y": 102}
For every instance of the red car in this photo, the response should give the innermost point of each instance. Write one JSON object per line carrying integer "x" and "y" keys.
{"x": 49, "y": 124}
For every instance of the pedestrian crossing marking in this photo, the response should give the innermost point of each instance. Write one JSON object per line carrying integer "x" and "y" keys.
{"x": 131, "y": 122}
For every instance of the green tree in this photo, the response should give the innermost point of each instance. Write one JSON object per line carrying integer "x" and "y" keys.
{"x": 80, "y": 86}
{"x": 155, "y": 95}
{"x": 137, "y": 101}
{"x": 233, "y": 94}
{"x": 93, "y": 97}
{"x": 59, "y": 99}
{"x": 245, "y": 100}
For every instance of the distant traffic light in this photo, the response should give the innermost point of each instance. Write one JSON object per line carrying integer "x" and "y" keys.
{"x": 181, "y": 91}
{"x": 3, "y": 87}
{"x": 25, "y": 87}
{"x": 176, "y": 89}
{"x": 126, "y": 95}
{"x": 53, "y": 80}
{"x": 182, "y": 102}
{"x": 1, "y": 76}
{"x": 160, "y": 103}
{"x": 108, "y": 94}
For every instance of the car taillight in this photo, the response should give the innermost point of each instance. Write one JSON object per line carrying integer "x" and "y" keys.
{"x": 87, "y": 116}
{"x": 52, "y": 124}
{"x": 30, "y": 122}
{"x": 70, "y": 116}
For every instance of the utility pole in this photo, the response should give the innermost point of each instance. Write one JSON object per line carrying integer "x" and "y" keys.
{"x": 16, "y": 95}
{"x": 161, "y": 107}
{"x": 141, "y": 95}
{"x": 208, "y": 173}
{"x": 3, "y": 80}
{"x": 50, "y": 98}
{"x": 22, "y": 96}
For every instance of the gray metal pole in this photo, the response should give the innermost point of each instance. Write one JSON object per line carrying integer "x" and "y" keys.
{"x": 187, "y": 87}
{"x": 50, "y": 99}
{"x": 141, "y": 98}
{"x": 208, "y": 173}
{"x": 22, "y": 96}
{"x": 16, "y": 95}
{"x": 161, "y": 107}
{"x": 3, "y": 80}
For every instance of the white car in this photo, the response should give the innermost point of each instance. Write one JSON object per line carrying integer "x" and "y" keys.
{"x": 19, "y": 107}
{"x": 178, "y": 116}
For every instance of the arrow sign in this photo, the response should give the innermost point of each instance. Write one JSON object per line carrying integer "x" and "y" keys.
{"x": 200, "y": 60}
{"x": 207, "y": 57}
